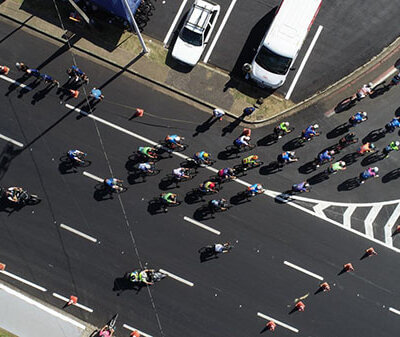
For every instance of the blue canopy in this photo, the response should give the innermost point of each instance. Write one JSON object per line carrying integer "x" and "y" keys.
{"x": 118, "y": 7}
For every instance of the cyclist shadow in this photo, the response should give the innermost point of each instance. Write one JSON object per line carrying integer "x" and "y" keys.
{"x": 6, "y": 207}
{"x": 167, "y": 182}
{"x": 338, "y": 131}
{"x": 66, "y": 166}
{"x": 133, "y": 176}
{"x": 102, "y": 193}
{"x": 194, "y": 196}
{"x": 307, "y": 168}
{"x": 343, "y": 105}
{"x": 374, "y": 136}
{"x": 121, "y": 284}
{"x": 233, "y": 125}
{"x": 205, "y": 126}
{"x": 228, "y": 153}
{"x": 132, "y": 161}
{"x": 207, "y": 254}
{"x": 372, "y": 158}
{"x": 203, "y": 213}
{"x": 272, "y": 167}
{"x": 293, "y": 144}
{"x": 268, "y": 140}
{"x": 155, "y": 207}
{"x": 380, "y": 89}
{"x": 392, "y": 175}
{"x": 318, "y": 178}
{"x": 38, "y": 96}
{"x": 239, "y": 198}
{"x": 350, "y": 158}
{"x": 349, "y": 184}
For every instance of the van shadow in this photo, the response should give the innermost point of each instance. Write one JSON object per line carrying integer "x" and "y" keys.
{"x": 246, "y": 55}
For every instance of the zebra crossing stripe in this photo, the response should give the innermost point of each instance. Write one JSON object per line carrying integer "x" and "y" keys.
{"x": 389, "y": 225}
{"x": 347, "y": 215}
{"x": 373, "y": 213}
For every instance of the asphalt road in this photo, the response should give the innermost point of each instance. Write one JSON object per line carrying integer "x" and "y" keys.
{"x": 351, "y": 36}
{"x": 228, "y": 291}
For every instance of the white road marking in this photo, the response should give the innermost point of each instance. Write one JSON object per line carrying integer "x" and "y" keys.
{"x": 180, "y": 279}
{"x": 75, "y": 231}
{"x": 305, "y": 271}
{"x": 10, "y": 80}
{"x": 221, "y": 27}
{"x": 172, "y": 27}
{"x": 87, "y": 174}
{"x": 303, "y": 63}
{"x": 29, "y": 283}
{"x": 384, "y": 76}
{"x": 347, "y": 215}
{"x": 42, "y": 307}
{"x": 197, "y": 223}
{"x": 395, "y": 311}
{"x": 373, "y": 213}
{"x": 319, "y": 209}
{"x": 62, "y": 298}
{"x": 259, "y": 314}
{"x": 390, "y": 223}
{"x": 126, "y": 326}
{"x": 11, "y": 140}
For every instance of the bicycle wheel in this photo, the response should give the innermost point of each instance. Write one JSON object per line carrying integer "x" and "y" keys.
{"x": 249, "y": 147}
{"x": 123, "y": 189}
{"x": 85, "y": 163}
{"x": 33, "y": 200}
{"x": 153, "y": 173}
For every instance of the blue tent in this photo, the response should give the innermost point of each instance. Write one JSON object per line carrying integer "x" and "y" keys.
{"x": 118, "y": 7}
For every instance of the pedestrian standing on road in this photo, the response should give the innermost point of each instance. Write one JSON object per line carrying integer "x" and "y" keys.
{"x": 21, "y": 66}
{"x": 4, "y": 70}
{"x": 218, "y": 113}
{"x": 96, "y": 94}
{"x": 249, "y": 110}
{"x": 33, "y": 72}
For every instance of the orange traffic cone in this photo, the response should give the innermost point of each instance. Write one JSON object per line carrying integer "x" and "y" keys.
{"x": 300, "y": 306}
{"x": 2, "y": 266}
{"x": 348, "y": 267}
{"x": 325, "y": 286}
{"x": 135, "y": 334}
{"x": 271, "y": 325}
{"x": 74, "y": 93}
{"x": 139, "y": 112}
{"x": 371, "y": 251}
{"x": 72, "y": 300}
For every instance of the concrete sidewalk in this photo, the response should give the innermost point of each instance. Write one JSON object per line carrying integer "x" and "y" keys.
{"x": 23, "y": 315}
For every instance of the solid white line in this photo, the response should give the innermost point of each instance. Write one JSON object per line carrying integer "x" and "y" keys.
{"x": 305, "y": 271}
{"x": 389, "y": 225}
{"x": 347, "y": 215}
{"x": 172, "y": 27}
{"x": 303, "y": 63}
{"x": 395, "y": 311}
{"x": 201, "y": 225}
{"x": 29, "y": 283}
{"x": 259, "y": 314}
{"x": 373, "y": 213}
{"x": 62, "y": 298}
{"x": 126, "y": 326}
{"x": 11, "y": 140}
{"x": 42, "y": 307}
{"x": 180, "y": 279}
{"x": 10, "y": 80}
{"x": 87, "y": 174}
{"x": 221, "y": 27}
{"x": 75, "y": 231}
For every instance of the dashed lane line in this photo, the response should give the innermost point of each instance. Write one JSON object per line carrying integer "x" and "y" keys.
{"x": 128, "y": 327}
{"x": 20, "y": 279}
{"x": 199, "y": 224}
{"x": 395, "y": 311}
{"x": 174, "y": 22}
{"x": 10, "y": 140}
{"x": 10, "y": 80}
{"x": 305, "y": 271}
{"x": 62, "y": 298}
{"x": 287, "y": 326}
{"x": 89, "y": 175}
{"x": 177, "y": 278}
{"x": 81, "y": 234}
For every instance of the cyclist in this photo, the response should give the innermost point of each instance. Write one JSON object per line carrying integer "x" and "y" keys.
{"x": 180, "y": 173}
{"x": 287, "y": 157}
{"x": 255, "y": 189}
{"x": 364, "y": 91}
{"x": 358, "y": 118}
{"x": 169, "y": 198}
{"x": 336, "y": 167}
{"x": 241, "y": 141}
{"x": 141, "y": 276}
{"x": 106, "y": 331}
{"x": 48, "y": 79}
{"x": 13, "y": 194}
{"x": 366, "y": 148}
{"x": 96, "y": 94}
{"x": 4, "y": 70}
{"x": 392, "y": 146}
{"x": 301, "y": 187}
{"x": 226, "y": 173}
{"x": 146, "y": 167}
{"x": 221, "y": 247}
{"x": 250, "y": 161}
{"x": 371, "y": 172}
{"x": 21, "y": 66}
{"x": 325, "y": 156}
{"x": 219, "y": 204}
{"x": 202, "y": 157}
{"x": 33, "y": 72}
{"x": 282, "y": 129}
{"x": 392, "y": 125}
{"x": 76, "y": 155}
{"x": 148, "y": 151}
{"x": 208, "y": 186}
{"x": 113, "y": 184}
{"x": 310, "y": 132}
{"x": 347, "y": 139}
{"x": 174, "y": 140}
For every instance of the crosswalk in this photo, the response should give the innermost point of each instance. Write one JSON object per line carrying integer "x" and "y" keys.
{"x": 374, "y": 221}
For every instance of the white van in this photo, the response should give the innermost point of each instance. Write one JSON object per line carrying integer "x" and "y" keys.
{"x": 283, "y": 41}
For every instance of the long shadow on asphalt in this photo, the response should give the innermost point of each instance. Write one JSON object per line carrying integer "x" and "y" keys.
{"x": 373, "y": 158}
{"x": 318, "y": 178}
{"x": 268, "y": 140}
{"x": 121, "y": 284}
{"x": 349, "y": 184}
{"x": 307, "y": 167}
{"x": 350, "y": 158}
{"x": 233, "y": 125}
{"x": 205, "y": 126}
{"x": 293, "y": 144}
{"x": 374, "y": 136}
{"x": 392, "y": 175}
{"x": 338, "y": 131}
{"x": 272, "y": 167}
{"x": 6, "y": 156}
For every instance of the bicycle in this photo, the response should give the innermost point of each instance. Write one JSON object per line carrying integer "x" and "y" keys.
{"x": 210, "y": 249}
{"x": 24, "y": 198}
{"x": 279, "y": 133}
{"x": 120, "y": 187}
{"x": 174, "y": 147}
{"x": 349, "y": 102}
{"x": 240, "y": 168}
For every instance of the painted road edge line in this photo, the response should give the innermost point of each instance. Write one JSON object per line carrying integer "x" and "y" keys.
{"x": 221, "y": 27}
{"x": 171, "y": 28}
{"x": 42, "y": 307}
{"x": 75, "y": 231}
{"x": 212, "y": 230}
{"x": 303, "y": 63}
{"x": 87, "y": 174}
{"x": 395, "y": 311}
{"x": 305, "y": 271}
{"x": 8, "y": 139}
{"x": 60, "y": 297}
{"x": 259, "y": 314}
{"x": 126, "y": 326}
{"x": 180, "y": 279}
{"x": 29, "y": 283}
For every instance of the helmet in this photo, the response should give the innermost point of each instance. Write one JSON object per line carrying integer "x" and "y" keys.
{"x": 212, "y": 185}
{"x": 178, "y": 138}
{"x": 306, "y": 185}
{"x": 397, "y": 143}
{"x": 246, "y": 138}
{"x": 372, "y": 146}
{"x": 364, "y": 113}
{"x": 255, "y": 157}
{"x": 259, "y": 186}
{"x": 287, "y": 124}
{"x": 331, "y": 152}
{"x": 315, "y": 126}
{"x": 342, "y": 163}
{"x": 206, "y": 155}
{"x": 230, "y": 171}
{"x": 375, "y": 169}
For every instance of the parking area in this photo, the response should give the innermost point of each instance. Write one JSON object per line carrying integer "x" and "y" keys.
{"x": 349, "y": 36}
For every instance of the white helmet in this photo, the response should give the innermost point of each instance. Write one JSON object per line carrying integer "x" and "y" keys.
{"x": 178, "y": 139}
{"x": 287, "y": 124}
{"x": 342, "y": 163}
{"x": 315, "y": 126}
{"x": 397, "y": 143}
{"x": 364, "y": 114}
{"x": 375, "y": 169}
